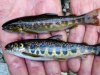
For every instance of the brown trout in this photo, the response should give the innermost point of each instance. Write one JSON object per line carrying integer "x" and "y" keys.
{"x": 49, "y": 22}
{"x": 50, "y": 49}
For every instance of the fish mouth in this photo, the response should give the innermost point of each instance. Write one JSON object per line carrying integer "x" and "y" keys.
{"x": 4, "y": 28}
{"x": 20, "y": 54}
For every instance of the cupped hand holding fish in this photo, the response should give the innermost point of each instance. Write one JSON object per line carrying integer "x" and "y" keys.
{"x": 88, "y": 34}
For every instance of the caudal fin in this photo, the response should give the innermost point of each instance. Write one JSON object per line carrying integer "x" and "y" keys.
{"x": 92, "y": 17}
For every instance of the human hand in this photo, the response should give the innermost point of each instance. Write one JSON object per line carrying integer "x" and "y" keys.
{"x": 19, "y": 66}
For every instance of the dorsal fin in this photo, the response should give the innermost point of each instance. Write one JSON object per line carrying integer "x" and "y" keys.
{"x": 48, "y": 15}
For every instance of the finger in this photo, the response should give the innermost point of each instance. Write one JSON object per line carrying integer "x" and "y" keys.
{"x": 16, "y": 65}
{"x": 46, "y": 6}
{"x": 86, "y": 65}
{"x": 63, "y": 64}
{"x": 76, "y": 35}
{"x": 29, "y": 36}
{"x": 91, "y": 35}
{"x": 34, "y": 68}
{"x": 51, "y": 67}
{"x": 80, "y": 7}
{"x": 96, "y": 64}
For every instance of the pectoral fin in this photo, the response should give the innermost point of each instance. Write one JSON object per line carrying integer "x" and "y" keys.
{"x": 56, "y": 37}
{"x": 48, "y": 15}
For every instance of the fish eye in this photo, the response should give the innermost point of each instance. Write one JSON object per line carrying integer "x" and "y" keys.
{"x": 21, "y": 45}
{"x": 8, "y": 46}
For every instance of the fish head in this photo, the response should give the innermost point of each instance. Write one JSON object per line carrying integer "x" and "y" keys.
{"x": 12, "y": 26}
{"x": 15, "y": 48}
{"x": 9, "y": 46}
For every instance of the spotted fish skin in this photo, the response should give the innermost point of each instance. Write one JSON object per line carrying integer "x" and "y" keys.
{"x": 47, "y": 23}
{"x": 52, "y": 48}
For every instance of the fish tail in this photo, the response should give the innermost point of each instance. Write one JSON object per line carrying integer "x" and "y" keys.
{"x": 92, "y": 17}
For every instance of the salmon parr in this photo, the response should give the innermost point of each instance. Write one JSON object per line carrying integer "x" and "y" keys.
{"x": 50, "y": 49}
{"x": 49, "y": 22}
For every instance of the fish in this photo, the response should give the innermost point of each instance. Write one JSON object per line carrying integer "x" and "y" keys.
{"x": 50, "y": 22}
{"x": 50, "y": 49}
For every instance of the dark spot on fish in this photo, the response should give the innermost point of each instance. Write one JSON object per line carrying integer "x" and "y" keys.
{"x": 95, "y": 48}
{"x": 37, "y": 52}
{"x": 32, "y": 51}
{"x": 32, "y": 46}
{"x": 42, "y": 45}
{"x": 90, "y": 47}
{"x": 57, "y": 23}
{"x": 73, "y": 50}
{"x": 65, "y": 52}
{"x": 42, "y": 51}
{"x": 50, "y": 52}
{"x": 58, "y": 52}
{"x": 82, "y": 49}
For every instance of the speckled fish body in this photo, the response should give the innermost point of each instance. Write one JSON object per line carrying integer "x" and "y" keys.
{"x": 49, "y": 49}
{"x": 47, "y": 23}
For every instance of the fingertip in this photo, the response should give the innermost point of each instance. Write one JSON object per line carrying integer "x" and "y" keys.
{"x": 64, "y": 66}
{"x": 15, "y": 64}
{"x": 96, "y": 66}
{"x": 86, "y": 65}
{"x": 91, "y": 35}
{"x": 74, "y": 64}
{"x": 35, "y": 68}
{"x": 77, "y": 34}
{"x": 52, "y": 68}
{"x": 81, "y": 7}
